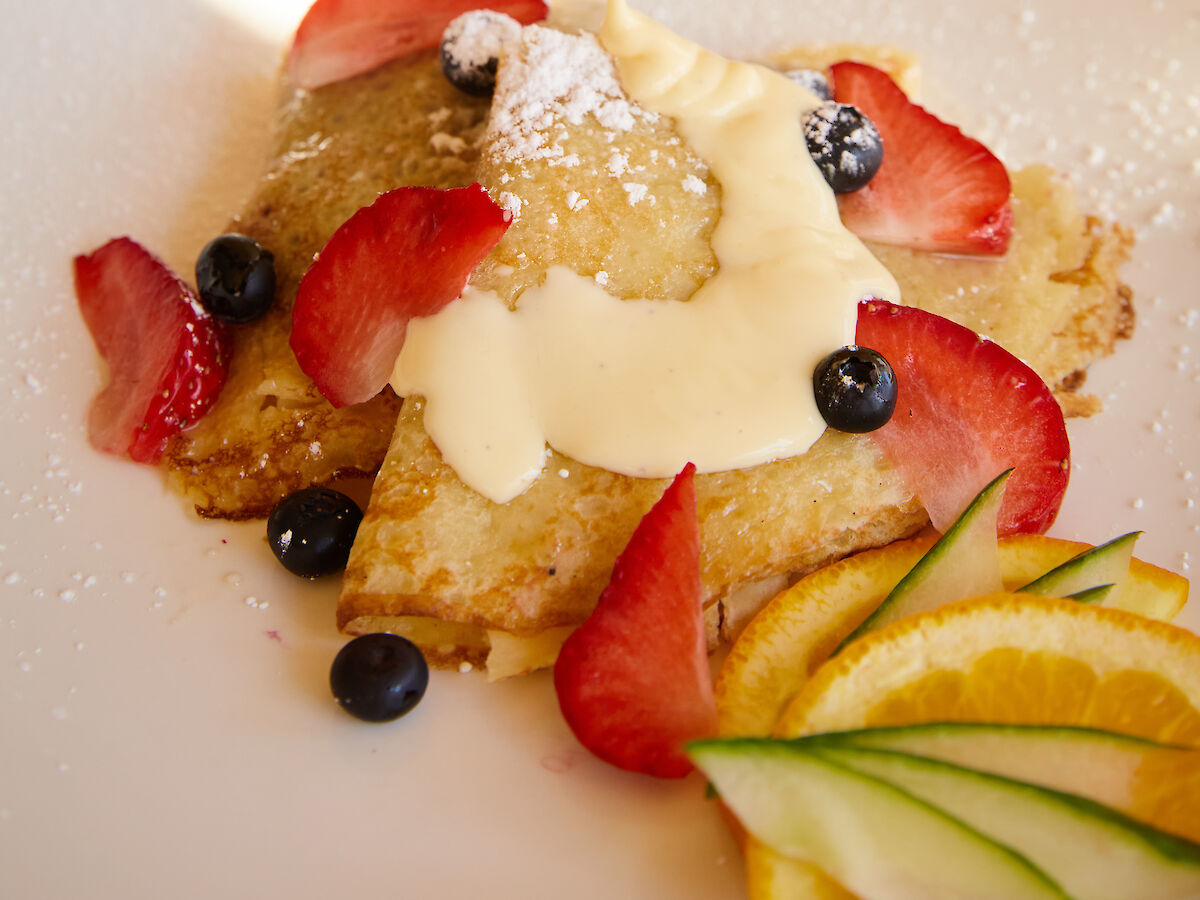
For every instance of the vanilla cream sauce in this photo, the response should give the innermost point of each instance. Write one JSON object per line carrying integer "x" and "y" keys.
{"x": 642, "y": 387}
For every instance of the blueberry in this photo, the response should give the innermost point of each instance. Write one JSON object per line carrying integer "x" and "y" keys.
{"x": 844, "y": 144}
{"x": 235, "y": 278}
{"x": 379, "y": 677}
{"x": 855, "y": 389}
{"x": 311, "y": 531}
{"x": 471, "y": 48}
{"x": 812, "y": 80}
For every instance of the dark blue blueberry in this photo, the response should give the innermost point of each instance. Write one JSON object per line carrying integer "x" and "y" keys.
{"x": 812, "y": 80}
{"x": 855, "y": 389}
{"x": 379, "y": 677}
{"x": 844, "y": 144}
{"x": 311, "y": 531}
{"x": 235, "y": 278}
{"x": 471, "y": 47}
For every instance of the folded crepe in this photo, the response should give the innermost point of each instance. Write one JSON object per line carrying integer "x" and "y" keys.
{"x": 484, "y": 583}
{"x": 336, "y": 149}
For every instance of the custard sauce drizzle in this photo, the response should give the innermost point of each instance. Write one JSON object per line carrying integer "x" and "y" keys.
{"x": 642, "y": 387}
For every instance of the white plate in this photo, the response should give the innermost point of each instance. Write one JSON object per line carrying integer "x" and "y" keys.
{"x": 165, "y": 725}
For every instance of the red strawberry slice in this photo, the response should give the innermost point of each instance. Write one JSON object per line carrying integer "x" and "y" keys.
{"x": 937, "y": 189}
{"x": 167, "y": 357}
{"x": 341, "y": 38}
{"x": 966, "y": 410}
{"x": 407, "y": 254}
{"x": 633, "y": 681}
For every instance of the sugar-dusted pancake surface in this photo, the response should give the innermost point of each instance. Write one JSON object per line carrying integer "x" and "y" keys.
{"x": 336, "y": 150}
{"x": 633, "y": 207}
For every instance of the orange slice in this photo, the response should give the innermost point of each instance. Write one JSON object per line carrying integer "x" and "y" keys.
{"x": 794, "y": 633}
{"x": 785, "y": 643}
{"x": 1009, "y": 658}
{"x": 1012, "y": 658}
{"x": 772, "y": 876}
{"x": 1148, "y": 590}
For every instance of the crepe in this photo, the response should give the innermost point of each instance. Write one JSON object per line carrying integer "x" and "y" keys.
{"x": 271, "y": 432}
{"x": 476, "y": 582}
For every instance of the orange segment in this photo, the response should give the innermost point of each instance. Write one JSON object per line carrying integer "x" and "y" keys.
{"x": 1166, "y": 793}
{"x": 1013, "y": 658}
{"x": 1148, "y": 590}
{"x": 772, "y": 876}
{"x": 783, "y": 645}
{"x": 786, "y": 642}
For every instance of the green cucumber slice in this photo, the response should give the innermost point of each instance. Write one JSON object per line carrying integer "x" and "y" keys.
{"x": 1101, "y": 765}
{"x": 1096, "y": 595}
{"x": 875, "y": 839}
{"x": 1092, "y": 851}
{"x": 965, "y": 562}
{"x": 1105, "y": 564}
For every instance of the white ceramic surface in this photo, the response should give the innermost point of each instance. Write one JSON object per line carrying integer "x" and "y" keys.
{"x": 165, "y": 726}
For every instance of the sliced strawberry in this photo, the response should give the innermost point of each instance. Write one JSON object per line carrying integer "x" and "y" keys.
{"x": 167, "y": 356}
{"x": 341, "y": 38}
{"x": 408, "y": 254}
{"x": 966, "y": 410}
{"x": 633, "y": 681}
{"x": 937, "y": 189}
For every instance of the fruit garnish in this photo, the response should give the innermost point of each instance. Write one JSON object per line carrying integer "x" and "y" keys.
{"x": 1144, "y": 589}
{"x": 235, "y": 278}
{"x": 798, "y": 630}
{"x": 167, "y": 357}
{"x": 967, "y": 410}
{"x": 770, "y": 875}
{"x": 844, "y": 144}
{"x": 338, "y": 39}
{"x": 965, "y": 562}
{"x": 873, "y": 838}
{"x": 408, "y": 254}
{"x": 311, "y": 531}
{"x": 1158, "y": 784}
{"x": 1091, "y": 851}
{"x": 1098, "y": 594}
{"x": 1012, "y": 658}
{"x": 855, "y": 389}
{"x": 471, "y": 48}
{"x": 633, "y": 680}
{"x": 1107, "y": 564}
{"x": 1007, "y": 658}
{"x": 379, "y": 677}
{"x": 937, "y": 189}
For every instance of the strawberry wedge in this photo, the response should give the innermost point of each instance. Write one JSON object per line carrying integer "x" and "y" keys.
{"x": 633, "y": 681}
{"x": 408, "y": 254}
{"x": 967, "y": 410}
{"x": 167, "y": 356}
{"x": 338, "y": 39}
{"x": 937, "y": 189}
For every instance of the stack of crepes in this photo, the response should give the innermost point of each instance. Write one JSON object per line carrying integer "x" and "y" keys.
{"x": 633, "y": 207}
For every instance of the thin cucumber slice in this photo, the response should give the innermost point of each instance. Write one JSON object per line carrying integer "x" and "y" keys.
{"x": 1096, "y": 595}
{"x": 1093, "y": 852}
{"x": 1101, "y": 765}
{"x": 1106, "y": 564}
{"x": 965, "y": 562}
{"x": 875, "y": 839}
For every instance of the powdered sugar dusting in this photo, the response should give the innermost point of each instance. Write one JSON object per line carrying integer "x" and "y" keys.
{"x": 636, "y": 192}
{"x": 554, "y": 80}
{"x": 511, "y": 202}
{"x": 477, "y": 37}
